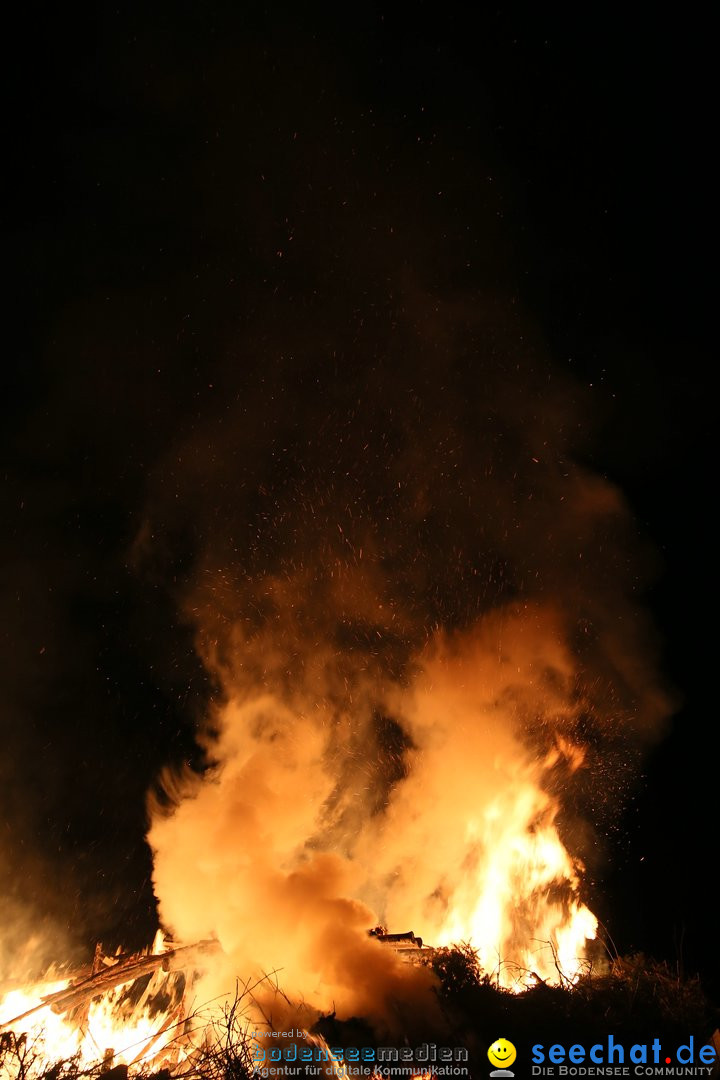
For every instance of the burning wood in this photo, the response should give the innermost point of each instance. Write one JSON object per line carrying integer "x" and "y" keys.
{"x": 408, "y": 946}
{"x": 401, "y": 941}
{"x": 123, "y": 971}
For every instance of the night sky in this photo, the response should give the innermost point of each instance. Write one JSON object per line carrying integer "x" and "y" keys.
{"x": 219, "y": 204}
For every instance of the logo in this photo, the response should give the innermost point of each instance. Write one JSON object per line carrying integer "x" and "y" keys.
{"x": 501, "y": 1054}
{"x": 641, "y": 1059}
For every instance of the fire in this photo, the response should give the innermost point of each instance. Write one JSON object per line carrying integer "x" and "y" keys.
{"x": 108, "y": 1031}
{"x": 507, "y": 910}
{"x": 60, "y": 1020}
{"x": 470, "y": 841}
{"x": 276, "y": 856}
{"x": 59, "y": 1038}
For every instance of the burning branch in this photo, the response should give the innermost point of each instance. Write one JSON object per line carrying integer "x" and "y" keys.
{"x": 125, "y": 971}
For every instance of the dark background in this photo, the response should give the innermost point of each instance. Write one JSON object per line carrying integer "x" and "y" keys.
{"x": 161, "y": 161}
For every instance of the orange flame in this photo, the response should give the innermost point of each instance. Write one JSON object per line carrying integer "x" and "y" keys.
{"x": 276, "y": 855}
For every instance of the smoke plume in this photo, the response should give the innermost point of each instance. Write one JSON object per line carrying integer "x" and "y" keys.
{"x": 417, "y": 608}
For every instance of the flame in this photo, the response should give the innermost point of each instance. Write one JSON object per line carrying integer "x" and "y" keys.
{"x": 276, "y": 856}
{"x": 115, "y": 1027}
{"x": 470, "y": 840}
{"x": 107, "y": 1032}
{"x": 505, "y": 910}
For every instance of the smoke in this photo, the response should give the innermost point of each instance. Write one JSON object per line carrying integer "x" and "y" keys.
{"x": 293, "y": 347}
{"x": 33, "y": 938}
{"x": 417, "y": 608}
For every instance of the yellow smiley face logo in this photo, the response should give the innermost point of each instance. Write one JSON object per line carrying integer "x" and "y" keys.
{"x": 502, "y": 1053}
